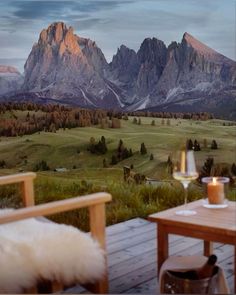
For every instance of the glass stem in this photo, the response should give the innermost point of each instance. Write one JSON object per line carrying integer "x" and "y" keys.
{"x": 185, "y": 194}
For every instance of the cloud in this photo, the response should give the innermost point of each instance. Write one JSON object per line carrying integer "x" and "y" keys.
{"x": 35, "y": 9}
{"x": 86, "y": 24}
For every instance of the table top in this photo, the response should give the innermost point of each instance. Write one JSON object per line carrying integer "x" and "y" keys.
{"x": 220, "y": 221}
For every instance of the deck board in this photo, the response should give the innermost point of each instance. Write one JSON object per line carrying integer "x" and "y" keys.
{"x": 132, "y": 258}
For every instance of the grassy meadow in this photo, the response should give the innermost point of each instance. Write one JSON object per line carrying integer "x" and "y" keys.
{"x": 85, "y": 172}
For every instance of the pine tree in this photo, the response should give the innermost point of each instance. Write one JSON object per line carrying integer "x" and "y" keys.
{"x": 196, "y": 146}
{"x": 207, "y": 167}
{"x": 130, "y": 152}
{"x": 104, "y": 162}
{"x": 151, "y": 157}
{"x": 143, "y": 149}
{"x": 233, "y": 169}
{"x": 189, "y": 144}
{"x": 214, "y": 145}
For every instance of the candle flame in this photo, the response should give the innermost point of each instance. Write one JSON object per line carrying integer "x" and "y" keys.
{"x": 214, "y": 180}
{"x": 183, "y": 162}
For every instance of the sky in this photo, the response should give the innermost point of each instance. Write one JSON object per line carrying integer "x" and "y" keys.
{"x": 114, "y": 22}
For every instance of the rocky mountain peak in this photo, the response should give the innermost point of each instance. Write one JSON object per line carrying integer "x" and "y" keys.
{"x": 196, "y": 44}
{"x": 63, "y": 65}
{"x": 10, "y": 79}
{"x": 73, "y": 69}
{"x": 54, "y": 33}
{"x": 59, "y": 35}
{"x": 152, "y": 50}
{"x": 123, "y": 55}
{"x": 125, "y": 65}
{"x": 124, "y": 48}
{"x": 204, "y": 50}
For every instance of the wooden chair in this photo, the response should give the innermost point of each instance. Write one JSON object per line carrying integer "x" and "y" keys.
{"x": 94, "y": 202}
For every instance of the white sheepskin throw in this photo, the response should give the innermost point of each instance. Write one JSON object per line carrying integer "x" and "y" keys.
{"x": 32, "y": 250}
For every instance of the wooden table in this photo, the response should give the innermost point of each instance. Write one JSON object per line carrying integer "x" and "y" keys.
{"x": 209, "y": 225}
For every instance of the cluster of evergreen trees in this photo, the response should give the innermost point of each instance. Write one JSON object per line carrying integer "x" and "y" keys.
{"x": 190, "y": 145}
{"x": 99, "y": 148}
{"x": 41, "y": 166}
{"x": 51, "y": 117}
{"x": 121, "y": 153}
{"x": 203, "y": 116}
{"x": 209, "y": 168}
{"x": 47, "y": 118}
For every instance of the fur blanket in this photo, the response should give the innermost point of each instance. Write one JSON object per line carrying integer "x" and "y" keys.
{"x": 32, "y": 250}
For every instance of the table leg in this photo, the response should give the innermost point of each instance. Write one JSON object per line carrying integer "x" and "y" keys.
{"x": 235, "y": 269}
{"x": 162, "y": 246}
{"x": 208, "y": 248}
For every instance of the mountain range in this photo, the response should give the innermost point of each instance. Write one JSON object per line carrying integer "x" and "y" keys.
{"x": 70, "y": 69}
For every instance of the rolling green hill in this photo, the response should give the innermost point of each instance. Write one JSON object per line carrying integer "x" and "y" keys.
{"x": 60, "y": 149}
{"x": 85, "y": 172}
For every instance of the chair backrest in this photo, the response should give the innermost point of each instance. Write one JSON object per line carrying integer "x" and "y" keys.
{"x": 27, "y": 186}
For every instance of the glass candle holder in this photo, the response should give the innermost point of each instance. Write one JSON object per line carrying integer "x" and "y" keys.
{"x": 215, "y": 192}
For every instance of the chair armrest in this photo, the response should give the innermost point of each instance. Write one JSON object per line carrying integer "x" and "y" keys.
{"x": 56, "y": 207}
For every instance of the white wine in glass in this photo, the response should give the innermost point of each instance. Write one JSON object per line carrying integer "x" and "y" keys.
{"x": 185, "y": 173}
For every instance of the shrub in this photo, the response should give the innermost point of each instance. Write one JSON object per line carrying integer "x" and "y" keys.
{"x": 114, "y": 160}
{"x": 104, "y": 163}
{"x": 135, "y": 121}
{"x": 41, "y": 166}
{"x": 2, "y": 164}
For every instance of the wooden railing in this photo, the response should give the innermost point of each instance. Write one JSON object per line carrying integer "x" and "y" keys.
{"x": 94, "y": 202}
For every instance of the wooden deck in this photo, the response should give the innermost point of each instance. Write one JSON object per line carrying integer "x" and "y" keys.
{"x": 132, "y": 259}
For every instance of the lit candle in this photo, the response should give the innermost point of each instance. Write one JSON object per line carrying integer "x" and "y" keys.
{"x": 215, "y": 192}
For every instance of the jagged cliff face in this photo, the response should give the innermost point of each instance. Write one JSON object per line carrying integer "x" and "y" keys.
{"x": 64, "y": 66}
{"x": 10, "y": 79}
{"x": 138, "y": 73}
{"x": 74, "y": 70}
{"x": 189, "y": 69}
{"x": 193, "y": 67}
{"x": 152, "y": 57}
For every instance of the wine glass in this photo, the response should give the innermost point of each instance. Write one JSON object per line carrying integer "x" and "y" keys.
{"x": 185, "y": 172}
